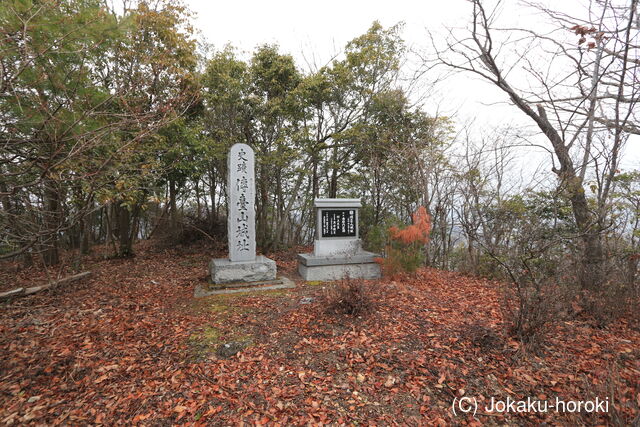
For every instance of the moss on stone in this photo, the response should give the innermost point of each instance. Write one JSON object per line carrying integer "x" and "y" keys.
{"x": 315, "y": 283}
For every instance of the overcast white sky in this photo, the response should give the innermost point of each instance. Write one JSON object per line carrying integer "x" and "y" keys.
{"x": 316, "y": 31}
{"x": 323, "y": 26}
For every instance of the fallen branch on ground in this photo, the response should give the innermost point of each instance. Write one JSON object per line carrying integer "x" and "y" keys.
{"x": 19, "y": 292}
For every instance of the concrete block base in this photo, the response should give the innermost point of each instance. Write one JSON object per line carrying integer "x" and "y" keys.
{"x": 323, "y": 268}
{"x": 203, "y": 290}
{"x": 337, "y": 247}
{"x": 225, "y": 271}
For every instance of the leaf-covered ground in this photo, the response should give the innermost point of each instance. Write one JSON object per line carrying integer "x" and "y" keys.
{"x": 131, "y": 345}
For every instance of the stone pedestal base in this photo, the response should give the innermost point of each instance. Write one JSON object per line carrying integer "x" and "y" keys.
{"x": 358, "y": 266}
{"x": 226, "y": 271}
{"x": 205, "y": 290}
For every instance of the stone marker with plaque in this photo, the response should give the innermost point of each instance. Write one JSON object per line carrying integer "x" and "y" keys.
{"x": 337, "y": 252}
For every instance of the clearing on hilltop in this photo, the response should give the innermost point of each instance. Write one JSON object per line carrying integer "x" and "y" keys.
{"x": 256, "y": 214}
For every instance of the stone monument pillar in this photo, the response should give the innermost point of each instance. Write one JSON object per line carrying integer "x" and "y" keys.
{"x": 242, "y": 265}
{"x": 337, "y": 252}
{"x": 241, "y": 190}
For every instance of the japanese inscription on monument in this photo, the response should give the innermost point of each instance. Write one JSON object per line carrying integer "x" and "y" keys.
{"x": 241, "y": 224}
{"x": 337, "y": 250}
{"x": 338, "y": 223}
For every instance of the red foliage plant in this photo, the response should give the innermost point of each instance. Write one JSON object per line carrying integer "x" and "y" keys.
{"x": 405, "y": 251}
{"x": 417, "y": 232}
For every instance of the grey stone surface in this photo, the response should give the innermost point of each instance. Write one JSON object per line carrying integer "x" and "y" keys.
{"x": 227, "y": 271}
{"x": 337, "y": 203}
{"x": 269, "y": 285}
{"x": 213, "y": 286}
{"x": 337, "y": 253}
{"x": 339, "y": 271}
{"x": 241, "y": 222}
{"x": 336, "y": 247}
{"x": 361, "y": 257}
{"x": 243, "y": 266}
{"x": 332, "y": 245}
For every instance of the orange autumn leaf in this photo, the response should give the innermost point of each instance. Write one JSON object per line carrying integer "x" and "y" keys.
{"x": 417, "y": 232}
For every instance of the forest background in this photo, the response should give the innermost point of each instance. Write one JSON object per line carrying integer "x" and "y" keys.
{"x": 115, "y": 123}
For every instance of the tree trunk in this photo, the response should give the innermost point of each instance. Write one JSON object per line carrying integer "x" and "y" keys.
{"x": 198, "y": 207}
{"x": 263, "y": 238}
{"x": 51, "y": 221}
{"x": 632, "y": 269}
{"x": 123, "y": 231}
{"x": 287, "y": 209}
{"x": 591, "y": 273}
{"x": 333, "y": 184}
{"x": 85, "y": 232}
{"x": 173, "y": 210}
{"x": 212, "y": 195}
{"x": 314, "y": 178}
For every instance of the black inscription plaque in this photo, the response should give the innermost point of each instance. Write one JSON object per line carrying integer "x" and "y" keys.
{"x": 338, "y": 223}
